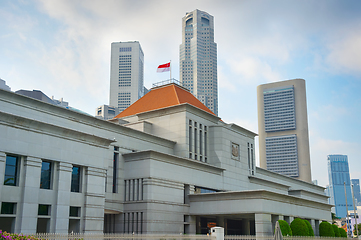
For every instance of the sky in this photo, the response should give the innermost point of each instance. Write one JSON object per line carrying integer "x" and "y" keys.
{"x": 62, "y": 47}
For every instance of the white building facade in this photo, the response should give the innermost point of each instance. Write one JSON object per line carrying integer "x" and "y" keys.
{"x": 198, "y": 58}
{"x": 126, "y": 74}
{"x": 172, "y": 168}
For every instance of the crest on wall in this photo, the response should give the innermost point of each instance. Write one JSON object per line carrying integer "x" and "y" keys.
{"x": 235, "y": 151}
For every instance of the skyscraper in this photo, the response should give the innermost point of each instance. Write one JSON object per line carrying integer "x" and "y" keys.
{"x": 283, "y": 128}
{"x": 126, "y": 74}
{"x": 198, "y": 58}
{"x": 356, "y": 190}
{"x": 338, "y": 174}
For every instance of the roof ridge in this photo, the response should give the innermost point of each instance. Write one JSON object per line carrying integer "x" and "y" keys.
{"x": 176, "y": 94}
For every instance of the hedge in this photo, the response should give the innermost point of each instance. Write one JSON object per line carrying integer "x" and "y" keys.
{"x": 326, "y": 230}
{"x": 285, "y": 228}
{"x": 310, "y": 229}
{"x": 335, "y": 229}
{"x": 342, "y": 232}
{"x": 299, "y": 227}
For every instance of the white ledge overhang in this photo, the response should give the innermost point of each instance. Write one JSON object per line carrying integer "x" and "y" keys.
{"x": 176, "y": 160}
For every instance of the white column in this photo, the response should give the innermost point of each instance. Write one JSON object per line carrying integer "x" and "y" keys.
{"x": 317, "y": 224}
{"x": 2, "y": 167}
{"x": 263, "y": 224}
{"x": 61, "y": 209}
{"x": 30, "y": 195}
{"x": 94, "y": 200}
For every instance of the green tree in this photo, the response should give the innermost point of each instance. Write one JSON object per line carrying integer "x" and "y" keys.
{"x": 342, "y": 232}
{"x": 310, "y": 229}
{"x": 335, "y": 229}
{"x": 326, "y": 230}
{"x": 285, "y": 228}
{"x": 299, "y": 227}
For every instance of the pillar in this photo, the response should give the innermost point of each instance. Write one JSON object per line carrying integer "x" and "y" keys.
{"x": 94, "y": 200}
{"x": 263, "y": 224}
{"x": 29, "y": 204}
{"x": 317, "y": 225}
{"x": 61, "y": 209}
{"x": 2, "y": 167}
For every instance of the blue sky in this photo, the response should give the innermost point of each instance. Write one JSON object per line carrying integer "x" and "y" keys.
{"x": 63, "y": 49}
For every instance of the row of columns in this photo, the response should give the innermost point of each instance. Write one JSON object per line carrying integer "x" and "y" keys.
{"x": 27, "y": 196}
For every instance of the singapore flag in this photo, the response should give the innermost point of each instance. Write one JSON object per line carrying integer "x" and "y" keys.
{"x": 164, "y": 67}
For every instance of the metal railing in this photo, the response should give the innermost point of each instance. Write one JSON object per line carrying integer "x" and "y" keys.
{"x": 168, "y": 81}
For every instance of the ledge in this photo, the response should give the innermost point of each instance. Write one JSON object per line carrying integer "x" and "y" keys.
{"x": 180, "y": 161}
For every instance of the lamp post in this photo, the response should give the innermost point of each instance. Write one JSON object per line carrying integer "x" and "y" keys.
{"x": 348, "y": 233}
{"x": 354, "y": 211}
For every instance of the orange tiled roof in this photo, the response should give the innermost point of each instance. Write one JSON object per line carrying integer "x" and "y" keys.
{"x": 162, "y": 97}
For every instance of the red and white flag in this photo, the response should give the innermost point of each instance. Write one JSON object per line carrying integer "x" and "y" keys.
{"x": 164, "y": 67}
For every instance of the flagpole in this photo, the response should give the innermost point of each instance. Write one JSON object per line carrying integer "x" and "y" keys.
{"x": 170, "y": 69}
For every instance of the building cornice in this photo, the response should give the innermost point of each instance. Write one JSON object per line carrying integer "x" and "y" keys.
{"x": 80, "y": 118}
{"x": 258, "y": 194}
{"x": 53, "y": 130}
{"x": 289, "y": 179}
{"x": 175, "y": 160}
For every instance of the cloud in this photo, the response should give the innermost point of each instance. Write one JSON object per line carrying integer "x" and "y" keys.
{"x": 321, "y": 147}
{"x": 252, "y": 70}
{"x": 329, "y": 113}
{"x": 344, "y": 54}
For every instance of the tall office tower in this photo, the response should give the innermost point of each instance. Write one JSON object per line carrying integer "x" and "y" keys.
{"x": 283, "y": 128}
{"x": 198, "y": 58}
{"x": 338, "y": 174}
{"x": 356, "y": 191}
{"x": 126, "y": 74}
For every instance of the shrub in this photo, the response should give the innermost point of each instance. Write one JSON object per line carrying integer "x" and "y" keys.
{"x": 342, "y": 232}
{"x": 285, "y": 228}
{"x": 13, "y": 236}
{"x": 335, "y": 229}
{"x": 326, "y": 230}
{"x": 299, "y": 227}
{"x": 310, "y": 229}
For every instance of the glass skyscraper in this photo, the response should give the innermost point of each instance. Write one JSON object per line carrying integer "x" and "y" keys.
{"x": 198, "y": 58}
{"x": 338, "y": 174}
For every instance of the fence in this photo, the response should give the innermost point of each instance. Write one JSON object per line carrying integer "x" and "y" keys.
{"x": 56, "y": 236}
{"x": 253, "y": 237}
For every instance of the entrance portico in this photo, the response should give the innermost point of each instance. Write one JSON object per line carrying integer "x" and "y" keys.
{"x": 252, "y": 212}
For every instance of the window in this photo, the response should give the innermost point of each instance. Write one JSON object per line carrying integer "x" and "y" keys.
{"x": 190, "y": 138}
{"x": 8, "y": 208}
{"x": 11, "y": 170}
{"x": 75, "y": 179}
{"x": 115, "y": 168}
{"x": 44, "y": 210}
{"x": 45, "y": 175}
{"x": 74, "y": 212}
